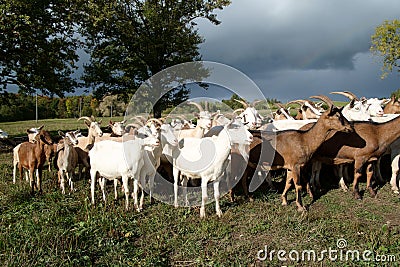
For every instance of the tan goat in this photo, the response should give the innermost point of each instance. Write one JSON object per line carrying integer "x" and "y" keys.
{"x": 32, "y": 157}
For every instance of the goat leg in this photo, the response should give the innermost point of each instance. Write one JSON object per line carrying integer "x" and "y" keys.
{"x": 370, "y": 172}
{"x": 395, "y": 172}
{"x": 356, "y": 191}
{"x": 216, "y": 197}
{"x": 287, "y": 187}
{"x": 203, "y": 198}
{"x": 39, "y": 174}
{"x": 298, "y": 188}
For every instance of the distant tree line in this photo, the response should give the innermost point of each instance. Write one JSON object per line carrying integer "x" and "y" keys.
{"x": 17, "y": 107}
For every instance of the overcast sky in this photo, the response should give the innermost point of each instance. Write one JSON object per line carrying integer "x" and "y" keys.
{"x": 295, "y": 49}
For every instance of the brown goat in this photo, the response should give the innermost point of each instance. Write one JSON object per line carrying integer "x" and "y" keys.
{"x": 392, "y": 107}
{"x": 363, "y": 146}
{"x": 294, "y": 148}
{"x": 32, "y": 156}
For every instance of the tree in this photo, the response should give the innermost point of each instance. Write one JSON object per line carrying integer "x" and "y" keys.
{"x": 232, "y": 103}
{"x": 132, "y": 40}
{"x": 38, "y": 47}
{"x": 386, "y": 43}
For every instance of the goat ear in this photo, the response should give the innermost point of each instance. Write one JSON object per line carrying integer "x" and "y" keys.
{"x": 111, "y": 123}
{"x": 333, "y": 110}
{"x": 40, "y": 128}
{"x": 364, "y": 100}
{"x": 87, "y": 124}
{"x": 352, "y": 103}
{"x": 197, "y": 115}
{"x": 60, "y": 133}
{"x": 100, "y": 121}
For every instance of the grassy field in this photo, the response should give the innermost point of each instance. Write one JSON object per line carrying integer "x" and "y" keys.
{"x": 66, "y": 230}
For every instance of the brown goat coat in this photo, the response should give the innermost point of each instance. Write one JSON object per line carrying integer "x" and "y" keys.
{"x": 294, "y": 148}
{"x": 32, "y": 156}
{"x": 392, "y": 107}
{"x": 366, "y": 144}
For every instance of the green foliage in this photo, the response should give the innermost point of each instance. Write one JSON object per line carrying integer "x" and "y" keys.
{"x": 38, "y": 48}
{"x": 232, "y": 103}
{"x": 132, "y": 40}
{"x": 386, "y": 43}
{"x": 15, "y": 107}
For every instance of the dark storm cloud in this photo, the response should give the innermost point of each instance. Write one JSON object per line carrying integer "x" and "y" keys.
{"x": 308, "y": 45}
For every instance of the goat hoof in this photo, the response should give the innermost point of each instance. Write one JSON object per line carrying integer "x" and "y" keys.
{"x": 372, "y": 192}
{"x": 202, "y": 213}
{"x": 301, "y": 209}
{"x": 357, "y": 196}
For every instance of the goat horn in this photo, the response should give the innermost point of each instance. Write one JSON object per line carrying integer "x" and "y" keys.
{"x": 156, "y": 120}
{"x": 245, "y": 105}
{"x": 238, "y": 110}
{"x": 134, "y": 125}
{"x": 182, "y": 117}
{"x": 206, "y": 105}
{"x": 298, "y": 101}
{"x": 279, "y": 105}
{"x": 255, "y": 102}
{"x": 85, "y": 118}
{"x": 347, "y": 94}
{"x": 139, "y": 120}
{"x": 324, "y": 98}
{"x": 197, "y": 105}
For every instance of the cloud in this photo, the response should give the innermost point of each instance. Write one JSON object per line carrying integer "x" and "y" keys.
{"x": 304, "y": 43}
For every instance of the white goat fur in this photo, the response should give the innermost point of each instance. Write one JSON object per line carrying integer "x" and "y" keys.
{"x": 232, "y": 133}
{"x": 126, "y": 162}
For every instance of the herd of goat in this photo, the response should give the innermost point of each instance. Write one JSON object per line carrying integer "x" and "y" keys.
{"x": 244, "y": 145}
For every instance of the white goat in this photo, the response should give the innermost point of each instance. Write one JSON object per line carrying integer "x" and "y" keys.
{"x": 94, "y": 130}
{"x": 308, "y": 110}
{"x": 250, "y": 116}
{"x": 152, "y": 155}
{"x": 186, "y": 159}
{"x": 67, "y": 158}
{"x": 86, "y": 142}
{"x": 110, "y": 160}
{"x": 3, "y": 134}
{"x": 281, "y": 113}
{"x": 203, "y": 124}
{"x": 281, "y": 125}
{"x": 361, "y": 109}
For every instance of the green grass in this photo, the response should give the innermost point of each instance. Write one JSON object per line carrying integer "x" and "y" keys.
{"x": 66, "y": 230}
{"x": 19, "y": 128}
